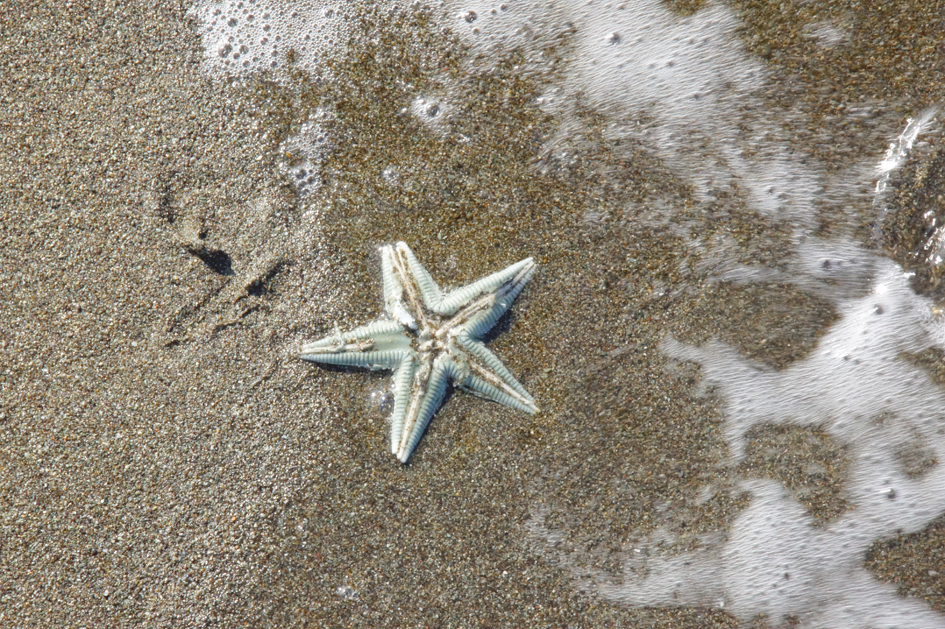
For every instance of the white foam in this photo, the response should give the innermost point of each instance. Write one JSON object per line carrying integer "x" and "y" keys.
{"x": 825, "y": 34}
{"x": 242, "y": 37}
{"x": 433, "y": 112}
{"x": 857, "y": 386}
{"x": 896, "y": 155}
{"x": 245, "y": 37}
{"x": 635, "y": 60}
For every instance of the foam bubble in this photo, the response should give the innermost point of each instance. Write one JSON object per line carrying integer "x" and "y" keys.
{"x": 306, "y": 151}
{"x": 433, "y": 111}
{"x": 242, "y": 37}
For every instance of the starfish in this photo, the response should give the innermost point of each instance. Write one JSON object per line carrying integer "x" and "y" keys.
{"x": 426, "y": 338}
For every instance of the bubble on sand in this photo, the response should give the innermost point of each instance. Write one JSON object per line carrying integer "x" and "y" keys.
{"x": 305, "y": 152}
{"x": 242, "y": 37}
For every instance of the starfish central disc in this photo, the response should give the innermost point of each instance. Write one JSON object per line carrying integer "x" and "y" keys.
{"x": 427, "y": 338}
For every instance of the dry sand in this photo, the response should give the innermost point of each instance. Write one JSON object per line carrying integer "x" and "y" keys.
{"x": 165, "y": 458}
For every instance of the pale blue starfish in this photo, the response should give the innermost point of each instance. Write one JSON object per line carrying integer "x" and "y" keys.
{"x": 428, "y": 337}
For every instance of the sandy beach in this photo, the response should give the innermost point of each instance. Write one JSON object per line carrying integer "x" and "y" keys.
{"x": 167, "y": 460}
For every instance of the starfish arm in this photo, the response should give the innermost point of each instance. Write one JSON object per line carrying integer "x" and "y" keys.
{"x": 378, "y": 345}
{"x": 403, "y": 378}
{"x": 430, "y": 293}
{"x": 476, "y": 375}
{"x": 486, "y": 360}
{"x": 503, "y": 395}
{"x": 434, "y": 299}
{"x": 428, "y": 389}
{"x": 509, "y": 282}
{"x": 481, "y": 322}
{"x": 394, "y": 289}
{"x": 361, "y": 333}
